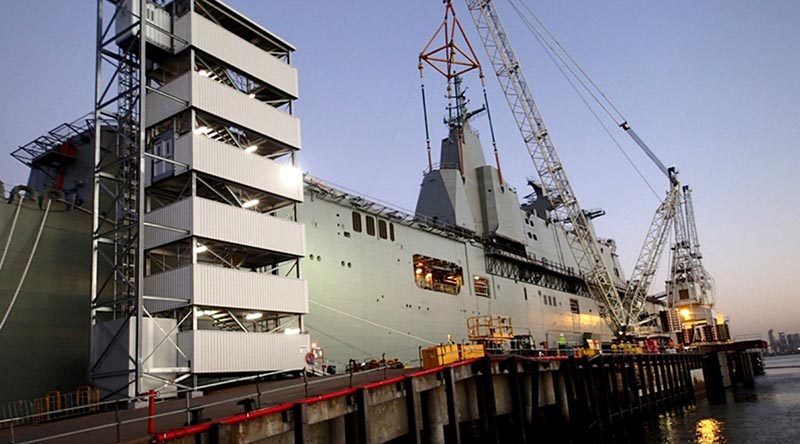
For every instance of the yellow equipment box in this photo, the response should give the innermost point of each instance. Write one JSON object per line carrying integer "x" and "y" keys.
{"x": 469, "y": 351}
{"x": 439, "y": 355}
{"x": 591, "y": 352}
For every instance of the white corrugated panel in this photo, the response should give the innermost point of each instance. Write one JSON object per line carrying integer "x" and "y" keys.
{"x": 223, "y": 101}
{"x": 230, "y": 288}
{"x": 186, "y": 344}
{"x": 219, "y": 221}
{"x": 177, "y": 283}
{"x": 157, "y": 17}
{"x": 232, "y": 163}
{"x": 159, "y": 107}
{"x": 239, "y": 53}
{"x": 163, "y": 355}
{"x": 177, "y": 215}
{"x": 230, "y": 351}
{"x": 116, "y": 358}
{"x": 215, "y": 286}
{"x": 224, "y": 222}
{"x": 183, "y": 148}
{"x": 158, "y": 338}
{"x": 182, "y": 27}
{"x": 235, "y": 106}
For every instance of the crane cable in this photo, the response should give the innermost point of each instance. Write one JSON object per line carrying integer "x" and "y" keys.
{"x": 579, "y": 67}
{"x": 337, "y": 339}
{"x": 374, "y": 324}
{"x": 552, "y": 55}
{"x": 11, "y": 233}
{"x": 27, "y": 265}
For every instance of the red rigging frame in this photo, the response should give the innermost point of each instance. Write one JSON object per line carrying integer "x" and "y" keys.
{"x": 449, "y": 59}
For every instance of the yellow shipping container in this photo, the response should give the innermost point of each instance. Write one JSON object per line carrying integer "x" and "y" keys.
{"x": 469, "y": 351}
{"x": 439, "y": 355}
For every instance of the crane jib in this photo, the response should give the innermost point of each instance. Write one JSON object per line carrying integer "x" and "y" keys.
{"x": 618, "y": 312}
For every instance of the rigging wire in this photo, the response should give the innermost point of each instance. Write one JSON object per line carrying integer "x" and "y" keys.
{"x": 374, "y": 324}
{"x": 491, "y": 128}
{"x": 574, "y": 62}
{"x": 425, "y": 114}
{"x": 390, "y": 144}
{"x": 27, "y": 265}
{"x": 549, "y": 48}
{"x": 337, "y": 339}
{"x": 11, "y": 233}
{"x": 552, "y": 54}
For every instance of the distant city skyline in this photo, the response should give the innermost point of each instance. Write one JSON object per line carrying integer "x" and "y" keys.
{"x": 712, "y": 86}
{"x": 785, "y": 343}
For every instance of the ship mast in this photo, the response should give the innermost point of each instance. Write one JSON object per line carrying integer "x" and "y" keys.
{"x": 452, "y": 60}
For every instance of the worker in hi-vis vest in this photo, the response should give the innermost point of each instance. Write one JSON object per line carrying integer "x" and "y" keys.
{"x": 562, "y": 342}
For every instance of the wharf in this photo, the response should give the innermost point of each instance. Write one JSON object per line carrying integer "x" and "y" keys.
{"x": 131, "y": 425}
{"x": 488, "y": 400}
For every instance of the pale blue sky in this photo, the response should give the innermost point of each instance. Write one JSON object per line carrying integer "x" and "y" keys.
{"x": 713, "y": 86}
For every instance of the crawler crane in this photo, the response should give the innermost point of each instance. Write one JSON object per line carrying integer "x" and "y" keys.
{"x": 620, "y": 311}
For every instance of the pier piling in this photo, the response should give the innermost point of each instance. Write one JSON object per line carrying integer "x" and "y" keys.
{"x": 489, "y": 400}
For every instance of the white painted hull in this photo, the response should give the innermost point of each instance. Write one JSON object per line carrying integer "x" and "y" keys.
{"x": 364, "y": 301}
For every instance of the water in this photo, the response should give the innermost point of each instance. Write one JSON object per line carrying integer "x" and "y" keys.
{"x": 768, "y": 413}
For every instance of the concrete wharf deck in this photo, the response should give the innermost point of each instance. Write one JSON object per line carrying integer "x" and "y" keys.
{"x": 489, "y": 400}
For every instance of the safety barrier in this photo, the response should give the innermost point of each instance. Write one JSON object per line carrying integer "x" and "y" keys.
{"x": 54, "y": 405}
{"x": 20, "y": 413}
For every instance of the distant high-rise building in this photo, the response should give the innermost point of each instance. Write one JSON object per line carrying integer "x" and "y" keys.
{"x": 772, "y": 344}
{"x": 794, "y": 342}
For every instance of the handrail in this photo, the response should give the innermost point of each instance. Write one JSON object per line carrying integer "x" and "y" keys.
{"x": 182, "y": 410}
{"x": 142, "y": 398}
{"x": 375, "y": 206}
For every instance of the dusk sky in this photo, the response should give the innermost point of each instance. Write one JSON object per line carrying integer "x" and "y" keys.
{"x": 712, "y": 86}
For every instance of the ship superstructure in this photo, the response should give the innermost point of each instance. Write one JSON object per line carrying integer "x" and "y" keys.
{"x": 385, "y": 280}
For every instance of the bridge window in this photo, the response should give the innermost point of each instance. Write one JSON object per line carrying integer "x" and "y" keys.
{"x": 356, "y": 221}
{"x": 481, "y": 285}
{"x": 382, "y": 231}
{"x": 437, "y": 274}
{"x": 370, "y": 225}
{"x": 391, "y": 231}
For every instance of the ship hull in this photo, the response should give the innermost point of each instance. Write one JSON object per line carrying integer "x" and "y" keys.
{"x": 45, "y": 340}
{"x": 366, "y": 302}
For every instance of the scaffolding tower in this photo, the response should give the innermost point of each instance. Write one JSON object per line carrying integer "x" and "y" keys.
{"x": 195, "y": 244}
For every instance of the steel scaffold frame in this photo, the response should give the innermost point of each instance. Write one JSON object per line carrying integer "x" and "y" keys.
{"x": 118, "y": 207}
{"x": 118, "y": 204}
